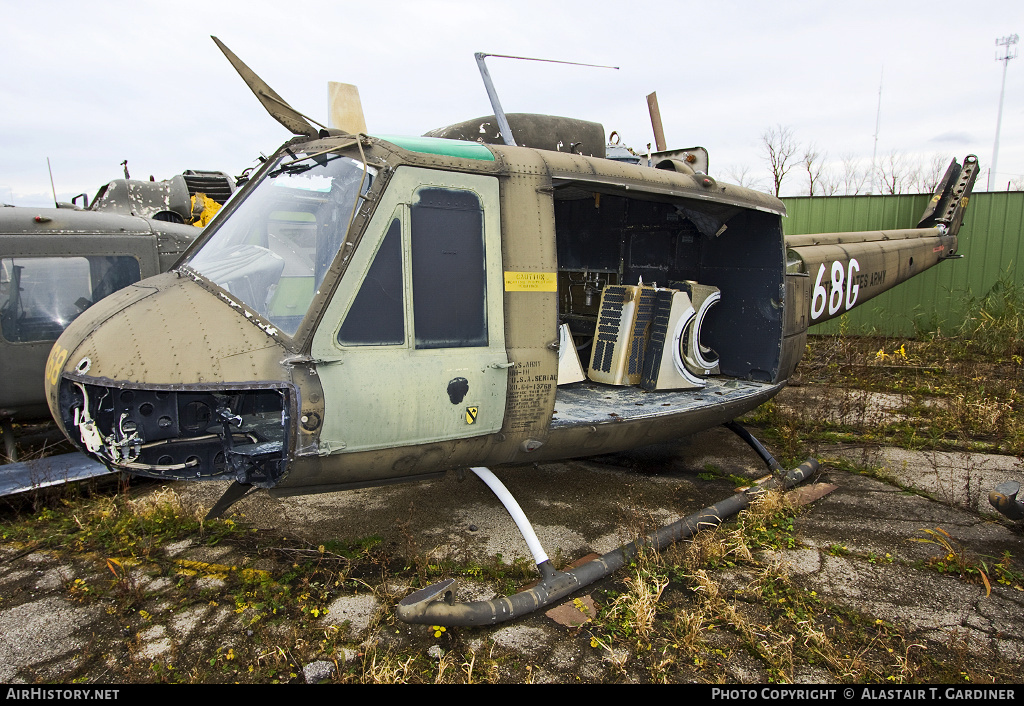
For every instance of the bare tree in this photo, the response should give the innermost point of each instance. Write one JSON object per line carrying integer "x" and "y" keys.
{"x": 854, "y": 178}
{"x": 829, "y": 183}
{"x": 820, "y": 179}
{"x": 929, "y": 176}
{"x": 778, "y": 145}
{"x": 740, "y": 176}
{"x": 813, "y": 166}
{"x": 895, "y": 174}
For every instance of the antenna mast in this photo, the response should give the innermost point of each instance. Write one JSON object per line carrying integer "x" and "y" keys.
{"x": 878, "y": 121}
{"x": 1007, "y": 42}
{"x": 52, "y": 188}
{"x": 492, "y": 94}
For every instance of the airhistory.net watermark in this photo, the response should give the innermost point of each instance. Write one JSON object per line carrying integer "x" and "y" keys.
{"x": 42, "y": 694}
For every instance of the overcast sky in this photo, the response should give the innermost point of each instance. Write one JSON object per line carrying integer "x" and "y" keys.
{"x": 90, "y": 84}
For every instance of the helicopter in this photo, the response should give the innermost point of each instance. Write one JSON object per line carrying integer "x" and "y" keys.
{"x": 56, "y": 262}
{"x": 379, "y": 309}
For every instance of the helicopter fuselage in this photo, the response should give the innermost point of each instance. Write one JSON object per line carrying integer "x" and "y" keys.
{"x": 371, "y": 310}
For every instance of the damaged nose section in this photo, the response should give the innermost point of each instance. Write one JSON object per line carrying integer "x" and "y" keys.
{"x": 181, "y": 432}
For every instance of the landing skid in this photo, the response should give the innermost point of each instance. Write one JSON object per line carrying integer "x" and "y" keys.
{"x": 435, "y": 605}
{"x": 235, "y": 492}
{"x": 1004, "y": 499}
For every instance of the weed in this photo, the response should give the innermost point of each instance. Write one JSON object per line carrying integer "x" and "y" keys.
{"x": 1004, "y": 572}
{"x": 955, "y": 558}
{"x": 934, "y": 393}
{"x": 994, "y": 323}
{"x": 636, "y": 609}
{"x": 767, "y": 524}
{"x": 126, "y": 583}
{"x": 630, "y": 615}
{"x": 444, "y": 663}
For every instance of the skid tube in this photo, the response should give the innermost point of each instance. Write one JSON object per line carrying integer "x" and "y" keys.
{"x": 435, "y": 604}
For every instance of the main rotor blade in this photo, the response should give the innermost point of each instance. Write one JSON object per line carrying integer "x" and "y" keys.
{"x": 346, "y": 110}
{"x": 275, "y": 105}
{"x": 659, "y": 131}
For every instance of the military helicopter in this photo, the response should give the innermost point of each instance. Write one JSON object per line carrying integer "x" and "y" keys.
{"x": 377, "y": 309}
{"x": 56, "y": 262}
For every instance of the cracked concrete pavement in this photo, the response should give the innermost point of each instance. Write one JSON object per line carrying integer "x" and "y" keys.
{"x": 586, "y": 506}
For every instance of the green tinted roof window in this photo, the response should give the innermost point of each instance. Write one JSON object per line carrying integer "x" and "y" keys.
{"x": 436, "y": 145}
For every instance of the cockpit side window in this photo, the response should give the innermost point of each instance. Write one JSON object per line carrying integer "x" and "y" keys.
{"x": 377, "y": 316}
{"x": 40, "y": 296}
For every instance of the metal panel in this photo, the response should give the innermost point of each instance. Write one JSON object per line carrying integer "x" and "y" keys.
{"x": 990, "y": 242}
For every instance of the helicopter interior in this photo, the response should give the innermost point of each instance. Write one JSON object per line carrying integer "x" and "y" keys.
{"x": 605, "y": 238}
{"x": 275, "y": 250}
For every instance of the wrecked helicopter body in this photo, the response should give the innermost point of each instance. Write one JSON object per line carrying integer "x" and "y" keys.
{"x": 371, "y": 310}
{"x": 56, "y": 262}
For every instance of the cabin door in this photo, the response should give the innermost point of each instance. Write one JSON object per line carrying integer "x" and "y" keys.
{"x": 411, "y": 349}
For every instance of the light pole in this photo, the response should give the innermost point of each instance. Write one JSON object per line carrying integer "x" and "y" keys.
{"x": 1007, "y": 42}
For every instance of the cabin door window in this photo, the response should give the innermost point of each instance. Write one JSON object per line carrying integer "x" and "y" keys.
{"x": 449, "y": 273}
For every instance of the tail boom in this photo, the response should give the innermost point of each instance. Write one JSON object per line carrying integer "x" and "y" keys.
{"x": 847, "y": 269}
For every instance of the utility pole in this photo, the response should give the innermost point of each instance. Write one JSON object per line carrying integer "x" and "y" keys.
{"x": 1007, "y": 42}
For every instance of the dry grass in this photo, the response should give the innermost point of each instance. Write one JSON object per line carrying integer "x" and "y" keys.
{"x": 639, "y": 604}
{"x": 937, "y": 393}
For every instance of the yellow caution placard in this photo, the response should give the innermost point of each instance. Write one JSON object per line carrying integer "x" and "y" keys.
{"x": 531, "y": 281}
{"x": 471, "y": 414}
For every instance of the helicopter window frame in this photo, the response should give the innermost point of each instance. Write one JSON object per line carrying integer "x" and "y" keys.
{"x": 376, "y": 317}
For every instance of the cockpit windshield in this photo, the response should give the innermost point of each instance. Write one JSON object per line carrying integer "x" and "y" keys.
{"x": 273, "y": 251}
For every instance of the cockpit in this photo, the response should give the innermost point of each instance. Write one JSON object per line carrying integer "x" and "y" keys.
{"x": 274, "y": 251}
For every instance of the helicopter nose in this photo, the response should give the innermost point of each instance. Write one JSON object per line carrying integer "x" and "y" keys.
{"x": 168, "y": 330}
{"x": 171, "y": 380}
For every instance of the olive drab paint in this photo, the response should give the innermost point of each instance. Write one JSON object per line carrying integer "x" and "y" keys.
{"x": 374, "y": 309}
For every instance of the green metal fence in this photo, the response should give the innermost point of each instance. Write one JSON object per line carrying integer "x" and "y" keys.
{"x": 990, "y": 241}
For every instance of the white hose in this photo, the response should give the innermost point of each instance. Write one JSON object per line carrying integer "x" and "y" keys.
{"x": 525, "y": 528}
